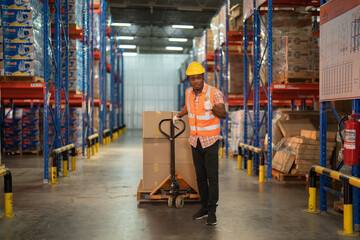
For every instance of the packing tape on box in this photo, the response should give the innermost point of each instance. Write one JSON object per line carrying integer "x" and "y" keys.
{"x": 156, "y": 165}
{"x": 158, "y": 113}
{"x": 156, "y": 184}
{"x": 157, "y": 133}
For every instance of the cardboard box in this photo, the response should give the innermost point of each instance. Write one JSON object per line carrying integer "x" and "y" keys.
{"x": 16, "y": 17}
{"x": 19, "y": 51}
{"x": 283, "y": 161}
{"x": 151, "y": 120}
{"x": 15, "y": 4}
{"x": 330, "y": 136}
{"x": 156, "y": 150}
{"x": 291, "y": 128}
{"x": 15, "y": 34}
{"x": 236, "y": 11}
{"x": 15, "y": 67}
{"x": 2, "y": 67}
{"x": 183, "y": 152}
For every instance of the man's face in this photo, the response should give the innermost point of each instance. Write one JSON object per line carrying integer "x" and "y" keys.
{"x": 197, "y": 81}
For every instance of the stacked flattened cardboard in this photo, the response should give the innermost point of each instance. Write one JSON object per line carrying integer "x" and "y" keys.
{"x": 156, "y": 151}
{"x": 300, "y": 148}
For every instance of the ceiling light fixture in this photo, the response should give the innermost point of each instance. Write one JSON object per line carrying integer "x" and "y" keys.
{"x": 130, "y": 54}
{"x": 125, "y": 37}
{"x": 127, "y": 46}
{"x": 178, "y": 39}
{"x": 170, "y": 48}
{"x": 183, "y": 26}
{"x": 121, "y": 24}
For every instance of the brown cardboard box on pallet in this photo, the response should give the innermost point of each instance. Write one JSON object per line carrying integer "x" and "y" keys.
{"x": 151, "y": 120}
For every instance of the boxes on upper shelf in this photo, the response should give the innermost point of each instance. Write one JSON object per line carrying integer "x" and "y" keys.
{"x": 30, "y": 113}
{"x": 19, "y": 67}
{"x": 15, "y": 17}
{"x": 19, "y": 51}
{"x": 31, "y": 124}
{"x": 16, "y": 4}
{"x": 16, "y": 34}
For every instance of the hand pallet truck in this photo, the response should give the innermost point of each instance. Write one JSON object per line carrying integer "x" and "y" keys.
{"x": 174, "y": 188}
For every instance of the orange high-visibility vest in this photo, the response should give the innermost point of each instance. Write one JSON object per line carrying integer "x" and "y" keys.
{"x": 202, "y": 122}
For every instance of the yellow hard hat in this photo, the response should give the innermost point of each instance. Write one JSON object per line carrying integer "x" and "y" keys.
{"x": 194, "y": 69}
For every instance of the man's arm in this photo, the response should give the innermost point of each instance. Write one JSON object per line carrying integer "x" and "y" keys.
{"x": 219, "y": 110}
{"x": 183, "y": 111}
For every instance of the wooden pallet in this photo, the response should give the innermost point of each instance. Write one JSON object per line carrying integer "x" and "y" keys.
{"x": 289, "y": 178}
{"x": 231, "y": 154}
{"x": 21, "y": 79}
{"x": 22, "y": 153}
{"x": 288, "y": 80}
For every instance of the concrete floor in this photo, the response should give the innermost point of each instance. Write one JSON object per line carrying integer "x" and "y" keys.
{"x": 98, "y": 201}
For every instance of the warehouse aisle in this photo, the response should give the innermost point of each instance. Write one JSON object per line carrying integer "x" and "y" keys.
{"x": 98, "y": 201}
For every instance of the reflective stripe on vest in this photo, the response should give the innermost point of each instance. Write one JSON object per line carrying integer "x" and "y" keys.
{"x": 209, "y": 128}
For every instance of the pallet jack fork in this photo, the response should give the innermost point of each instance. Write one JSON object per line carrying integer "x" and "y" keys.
{"x": 174, "y": 188}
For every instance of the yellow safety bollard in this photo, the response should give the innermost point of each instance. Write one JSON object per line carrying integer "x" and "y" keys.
{"x": 88, "y": 152}
{"x": 97, "y": 145}
{"x": 348, "y": 212}
{"x": 312, "y": 194}
{"x": 261, "y": 168}
{"x": 65, "y": 163}
{"x": 54, "y": 170}
{"x": 249, "y": 163}
{"x": 261, "y": 173}
{"x": 104, "y": 141}
{"x": 73, "y": 162}
{"x": 221, "y": 152}
{"x": 93, "y": 149}
{"x": 8, "y": 199}
{"x": 239, "y": 158}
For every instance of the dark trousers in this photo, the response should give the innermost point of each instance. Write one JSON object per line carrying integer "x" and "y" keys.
{"x": 206, "y": 162}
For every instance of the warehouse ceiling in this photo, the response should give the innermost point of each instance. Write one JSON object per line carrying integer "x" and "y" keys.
{"x": 152, "y": 20}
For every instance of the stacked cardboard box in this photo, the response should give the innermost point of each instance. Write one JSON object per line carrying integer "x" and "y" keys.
{"x": 22, "y": 38}
{"x": 31, "y": 129}
{"x": 96, "y": 70}
{"x": 298, "y": 154}
{"x": 75, "y": 65}
{"x": 13, "y": 130}
{"x": 156, "y": 151}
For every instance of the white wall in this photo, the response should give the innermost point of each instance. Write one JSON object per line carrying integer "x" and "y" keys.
{"x": 151, "y": 84}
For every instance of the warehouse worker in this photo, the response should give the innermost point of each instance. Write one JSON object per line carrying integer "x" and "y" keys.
{"x": 204, "y": 105}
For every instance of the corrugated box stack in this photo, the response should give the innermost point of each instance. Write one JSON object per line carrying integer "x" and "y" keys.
{"x": 22, "y": 38}
{"x": 31, "y": 130}
{"x": 295, "y": 50}
{"x": 13, "y": 130}
{"x": 156, "y": 151}
{"x": 296, "y": 142}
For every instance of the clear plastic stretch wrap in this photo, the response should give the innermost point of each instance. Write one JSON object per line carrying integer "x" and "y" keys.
{"x": 295, "y": 50}
{"x": 96, "y": 30}
{"x": 22, "y": 39}
{"x": 237, "y": 128}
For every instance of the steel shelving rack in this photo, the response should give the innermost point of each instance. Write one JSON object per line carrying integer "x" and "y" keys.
{"x": 324, "y": 189}
{"x": 103, "y": 101}
{"x": 257, "y": 93}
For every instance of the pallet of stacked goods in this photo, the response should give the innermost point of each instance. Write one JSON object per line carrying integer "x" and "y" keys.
{"x": 22, "y": 41}
{"x": 31, "y": 142}
{"x": 13, "y": 131}
{"x": 75, "y": 128}
{"x": 295, "y": 51}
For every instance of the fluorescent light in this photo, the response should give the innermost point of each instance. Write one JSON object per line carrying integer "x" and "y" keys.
{"x": 125, "y": 37}
{"x": 178, "y": 39}
{"x": 169, "y": 48}
{"x": 183, "y": 26}
{"x": 130, "y": 54}
{"x": 127, "y": 46}
{"x": 121, "y": 24}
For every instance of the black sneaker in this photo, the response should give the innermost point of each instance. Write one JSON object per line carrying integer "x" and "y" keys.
{"x": 200, "y": 214}
{"x": 211, "y": 219}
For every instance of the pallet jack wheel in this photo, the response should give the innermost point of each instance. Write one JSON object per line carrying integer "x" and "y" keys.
{"x": 171, "y": 201}
{"x": 179, "y": 202}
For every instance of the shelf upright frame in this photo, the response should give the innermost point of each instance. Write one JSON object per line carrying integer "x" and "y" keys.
{"x": 46, "y": 96}
{"x": 246, "y": 96}
{"x": 122, "y": 88}
{"x": 118, "y": 80}
{"x": 226, "y": 76}
{"x": 206, "y": 61}
{"x": 269, "y": 93}
{"x": 84, "y": 100}
{"x": 112, "y": 82}
{"x": 91, "y": 35}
